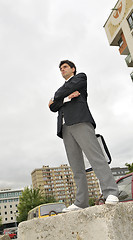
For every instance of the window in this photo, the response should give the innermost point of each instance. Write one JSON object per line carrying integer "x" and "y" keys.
{"x": 5, "y": 213}
{"x": 16, "y": 199}
{"x": 11, "y": 218}
{"x": 10, "y": 212}
{"x": 10, "y": 200}
{"x": 5, "y": 219}
{"x": 120, "y": 43}
{"x": 130, "y": 21}
{"x": 4, "y": 206}
{"x": 10, "y": 206}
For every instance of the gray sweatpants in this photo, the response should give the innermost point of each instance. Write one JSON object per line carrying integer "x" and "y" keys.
{"x": 81, "y": 137}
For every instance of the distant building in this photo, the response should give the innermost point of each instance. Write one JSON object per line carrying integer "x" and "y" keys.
{"x": 9, "y": 200}
{"x": 59, "y": 182}
{"x": 119, "y": 172}
{"x": 119, "y": 29}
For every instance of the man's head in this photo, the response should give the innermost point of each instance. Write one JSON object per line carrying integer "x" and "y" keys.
{"x": 67, "y": 69}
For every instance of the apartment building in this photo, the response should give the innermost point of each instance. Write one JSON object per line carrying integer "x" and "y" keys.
{"x": 9, "y": 200}
{"x": 59, "y": 182}
{"x": 119, "y": 29}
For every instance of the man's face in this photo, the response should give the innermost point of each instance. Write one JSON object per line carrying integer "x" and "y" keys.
{"x": 66, "y": 71}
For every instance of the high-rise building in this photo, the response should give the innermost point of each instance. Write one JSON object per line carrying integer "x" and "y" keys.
{"x": 9, "y": 200}
{"x": 59, "y": 182}
{"x": 119, "y": 29}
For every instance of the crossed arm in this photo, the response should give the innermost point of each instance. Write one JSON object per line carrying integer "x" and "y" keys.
{"x": 69, "y": 90}
{"x": 72, "y": 95}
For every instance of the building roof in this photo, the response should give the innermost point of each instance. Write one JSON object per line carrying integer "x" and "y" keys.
{"x": 110, "y": 14}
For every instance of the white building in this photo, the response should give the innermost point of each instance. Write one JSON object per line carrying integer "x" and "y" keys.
{"x": 119, "y": 29}
{"x": 9, "y": 200}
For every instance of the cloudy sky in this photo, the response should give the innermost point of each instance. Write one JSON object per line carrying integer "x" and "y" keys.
{"x": 34, "y": 37}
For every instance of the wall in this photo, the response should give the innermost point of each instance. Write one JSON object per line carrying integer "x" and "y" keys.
{"x": 104, "y": 222}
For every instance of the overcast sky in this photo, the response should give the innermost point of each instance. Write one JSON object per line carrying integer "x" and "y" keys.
{"x": 34, "y": 37}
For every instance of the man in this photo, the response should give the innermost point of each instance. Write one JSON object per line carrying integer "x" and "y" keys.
{"x": 76, "y": 126}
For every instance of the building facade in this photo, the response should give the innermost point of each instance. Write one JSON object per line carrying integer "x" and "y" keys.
{"x": 59, "y": 182}
{"x": 119, "y": 172}
{"x": 119, "y": 29}
{"x": 9, "y": 200}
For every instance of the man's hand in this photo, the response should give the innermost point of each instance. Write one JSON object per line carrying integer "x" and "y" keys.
{"x": 50, "y": 102}
{"x": 74, "y": 94}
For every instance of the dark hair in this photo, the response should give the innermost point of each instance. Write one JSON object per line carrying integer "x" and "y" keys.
{"x": 71, "y": 64}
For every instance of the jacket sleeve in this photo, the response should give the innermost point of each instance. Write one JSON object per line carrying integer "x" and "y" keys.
{"x": 74, "y": 84}
{"x": 56, "y": 105}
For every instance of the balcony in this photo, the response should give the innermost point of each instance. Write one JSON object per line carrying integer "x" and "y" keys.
{"x": 129, "y": 61}
{"x": 123, "y": 45}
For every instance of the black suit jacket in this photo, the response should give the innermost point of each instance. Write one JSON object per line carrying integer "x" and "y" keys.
{"x": 76, "y": 110}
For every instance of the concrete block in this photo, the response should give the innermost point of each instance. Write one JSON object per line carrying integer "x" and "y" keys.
{"x": 103, "y": 222}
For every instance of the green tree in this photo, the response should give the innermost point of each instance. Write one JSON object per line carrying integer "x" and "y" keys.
{"x": 92, "y": 201}
{"x": 0, "y": 221}
{"x": 130, "y": 167}
{"x": 31, "y": 198}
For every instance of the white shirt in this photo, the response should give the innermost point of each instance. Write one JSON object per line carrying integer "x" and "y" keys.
{"x": 66, "y": 99}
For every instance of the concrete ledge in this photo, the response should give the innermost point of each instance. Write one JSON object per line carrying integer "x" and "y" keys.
{"x": 102, "y": 222}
